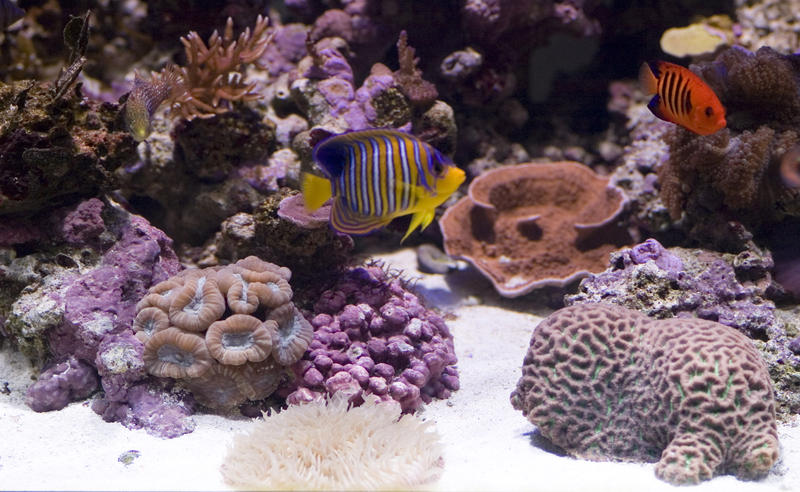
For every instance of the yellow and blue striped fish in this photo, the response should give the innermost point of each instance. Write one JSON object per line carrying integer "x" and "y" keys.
{"x": 377, "y": 175}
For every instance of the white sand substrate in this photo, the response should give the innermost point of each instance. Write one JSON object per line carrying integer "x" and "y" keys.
{"x": 488, "y": 445}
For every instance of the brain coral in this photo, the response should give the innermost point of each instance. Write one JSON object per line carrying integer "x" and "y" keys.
{"x": 531, "y": 225}
{"x": 228, "y": 332}
{"x": 607, "y": 383}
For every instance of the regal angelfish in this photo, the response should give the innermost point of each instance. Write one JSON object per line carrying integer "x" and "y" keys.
{"x": 377, "y": 175}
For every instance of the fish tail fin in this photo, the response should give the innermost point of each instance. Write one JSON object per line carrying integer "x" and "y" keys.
{"x": 316, "y": 191}
{"x": 421, "y": 219}
{"x": 648, "y": 78}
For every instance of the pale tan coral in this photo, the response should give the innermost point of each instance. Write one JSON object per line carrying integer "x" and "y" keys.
{"x": 258, "y": 265}
{"x": 328, "y": 446}
{"x": 198, "y": 304}
{"x": 173, "y": 353}
{"x": 160, "y": 295}
{"x": 240, "y": 338}
{"x": 293, "y": 335}
{"x": 148, "y": 322}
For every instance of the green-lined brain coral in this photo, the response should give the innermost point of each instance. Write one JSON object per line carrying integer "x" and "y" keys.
{"x": 608, "y": 383}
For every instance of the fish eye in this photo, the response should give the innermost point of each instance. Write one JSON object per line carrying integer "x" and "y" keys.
{"x": 709, "y": 111}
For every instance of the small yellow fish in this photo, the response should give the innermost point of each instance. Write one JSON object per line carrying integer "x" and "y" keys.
{"x": 377, "y": 175}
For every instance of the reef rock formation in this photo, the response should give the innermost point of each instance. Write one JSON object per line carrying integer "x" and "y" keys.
{"x": 373, "y": 336}
{"x": 607, "y": 383}
{"x": 226, "y": 332}
{"x": 532, "y": 225}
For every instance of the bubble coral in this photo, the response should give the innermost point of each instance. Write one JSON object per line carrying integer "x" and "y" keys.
{"x": 224, "y": 359}
{"x": 531, "y": 225}
{"x": 373, "y": 336}
{"x": 607, "y": 383}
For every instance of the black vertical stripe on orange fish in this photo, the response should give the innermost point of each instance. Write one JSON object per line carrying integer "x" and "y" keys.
{"x": 681, "y": 97}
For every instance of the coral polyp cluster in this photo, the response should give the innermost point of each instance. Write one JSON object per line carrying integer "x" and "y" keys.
{"x": 227, "y": 332}
{"x": 373, "y": 336}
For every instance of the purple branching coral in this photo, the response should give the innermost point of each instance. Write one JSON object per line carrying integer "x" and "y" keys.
{"x": 373, "y": 336}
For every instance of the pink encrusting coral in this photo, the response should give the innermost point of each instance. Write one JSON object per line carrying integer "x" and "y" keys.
{"x": 531, "y": 225}
{"x": 608, "y": 383}
{"x": 374, "y": 336}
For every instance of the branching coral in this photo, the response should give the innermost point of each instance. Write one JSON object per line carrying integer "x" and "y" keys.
{"x": 607, "y": 383}
{"x": 224, "y": 360}
{"x": 329, "y": 445}
{"x": 736, "y": 170}
{"x": 206, "y": 85}
{"x": 532, "y": 225}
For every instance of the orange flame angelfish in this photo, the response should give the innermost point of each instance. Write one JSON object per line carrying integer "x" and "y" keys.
{"x": 681, "y": 97}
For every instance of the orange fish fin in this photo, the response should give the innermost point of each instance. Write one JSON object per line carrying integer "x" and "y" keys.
{"x": 348, "y": 221}
{"x": 648, "y": 77}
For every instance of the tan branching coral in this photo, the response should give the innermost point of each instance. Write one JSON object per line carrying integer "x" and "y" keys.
{"x": 223, "y": 360}
{"x": 607, "y": 383}
{"x": 209, "y": 82}
{"x": 735, "y": 174}
{"x": 330, "y": 446}
{"x": 531, "y": 225}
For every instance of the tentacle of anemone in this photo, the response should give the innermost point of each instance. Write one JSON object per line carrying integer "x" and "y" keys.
{"x": 293, "y": 335}
{"x": 160, "y": 295}
{"x": 176, "y": 354}
{"x": 238, "y": 339}
{"x": 222, "y": 387}
{"x": 148, "y": 322}
{"x": 198, "y": 304}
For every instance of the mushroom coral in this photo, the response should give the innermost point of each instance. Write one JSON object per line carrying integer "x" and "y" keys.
{"x": 331, "y": 446}
{"x": 224, "y": 352}
{"x": 608, "y": 383}
{"x": 531, "y": 225}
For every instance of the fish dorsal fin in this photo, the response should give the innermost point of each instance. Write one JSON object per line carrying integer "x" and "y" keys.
{"x": 348, "y": 221}
{"x": 332, "y": 155}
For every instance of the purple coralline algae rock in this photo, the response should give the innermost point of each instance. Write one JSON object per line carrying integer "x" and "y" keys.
{"x": 107, "y": 260}
{"x": 64, "y": 382}
{"x": 373, "y": 336}
{"x": 664, "y": 282}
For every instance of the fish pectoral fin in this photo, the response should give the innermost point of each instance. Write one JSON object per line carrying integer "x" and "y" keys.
{"x": 421, "y": 219}
{"x": 316, "y": 191}
{"x": 655, "y": 106}
{"x": 348, "y": 221}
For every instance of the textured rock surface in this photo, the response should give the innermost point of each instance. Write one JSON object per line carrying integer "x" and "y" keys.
{"x": 607, "y": 383}
{"x": 532, "y": 225}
